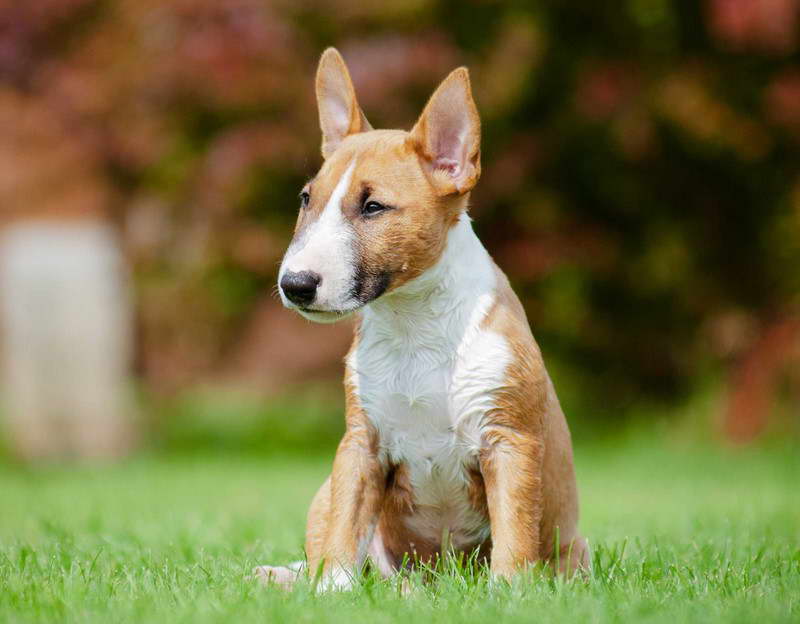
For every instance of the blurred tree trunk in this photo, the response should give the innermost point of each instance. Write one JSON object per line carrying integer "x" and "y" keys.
{"x": 65, "y": 311}
{"x": 752, "y": 385}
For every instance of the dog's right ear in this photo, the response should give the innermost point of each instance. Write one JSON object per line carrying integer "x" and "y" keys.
{"x": 447, "y": 136}
{"x": 339, "y": 112}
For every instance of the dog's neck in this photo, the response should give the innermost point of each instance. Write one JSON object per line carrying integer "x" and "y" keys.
{"x": 436, "y": 307}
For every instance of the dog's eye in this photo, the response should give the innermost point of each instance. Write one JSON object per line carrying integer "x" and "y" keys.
{"x": 304, "y": 198}
{"x": 372, "y": 207}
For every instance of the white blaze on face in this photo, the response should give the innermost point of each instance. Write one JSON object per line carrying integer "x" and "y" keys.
{"x": 326, "y": 247}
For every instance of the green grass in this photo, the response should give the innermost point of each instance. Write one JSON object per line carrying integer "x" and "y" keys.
{"x": 680, "y": 533}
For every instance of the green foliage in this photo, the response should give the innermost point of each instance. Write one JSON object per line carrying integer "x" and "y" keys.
{"x": 639, "y": 181}
{"x": 311, "y": 420}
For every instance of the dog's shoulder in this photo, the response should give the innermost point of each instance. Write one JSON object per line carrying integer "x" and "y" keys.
{"x": 507, "y": 317}
{"x": 523, "y": 401}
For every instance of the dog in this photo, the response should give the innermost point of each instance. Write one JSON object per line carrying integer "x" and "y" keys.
{"x": 455, "y": 440}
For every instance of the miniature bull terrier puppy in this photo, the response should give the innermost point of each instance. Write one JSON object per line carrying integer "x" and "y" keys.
{"x": 453, "y": 429}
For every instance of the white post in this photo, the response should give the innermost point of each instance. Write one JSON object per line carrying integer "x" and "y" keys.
{"x": 65, "y": 336}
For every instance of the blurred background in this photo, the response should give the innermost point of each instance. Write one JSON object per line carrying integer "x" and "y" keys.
{"x": 640, "y": 187}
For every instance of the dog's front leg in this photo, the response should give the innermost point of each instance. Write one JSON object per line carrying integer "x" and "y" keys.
{"x": 510, "y": 463}
{"x": 358, "y": 485}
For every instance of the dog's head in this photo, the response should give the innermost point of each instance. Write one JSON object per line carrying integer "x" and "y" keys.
{"x": 377, "y": 213}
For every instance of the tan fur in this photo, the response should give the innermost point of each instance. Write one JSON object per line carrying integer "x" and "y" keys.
{"x": 527, "y": 463}
{"x": 388, "y": 171}
{"x": 523, "y": 481}
{"x": 357, "y": 484}
{"x": 335, "y": 90}
{"x": 454, "y": 94}
{"x": 526, "y": 482}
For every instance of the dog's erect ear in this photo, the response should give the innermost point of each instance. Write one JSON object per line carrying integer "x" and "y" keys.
{"x": 339, "y": 112}
{"x": 447, "y": 136}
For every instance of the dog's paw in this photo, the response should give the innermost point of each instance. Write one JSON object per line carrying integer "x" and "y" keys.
{"x": 278, "y": 576}
{"x": 336, "y": 579}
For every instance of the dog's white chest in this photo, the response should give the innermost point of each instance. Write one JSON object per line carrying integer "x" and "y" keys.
{"x": 427, "y": 396}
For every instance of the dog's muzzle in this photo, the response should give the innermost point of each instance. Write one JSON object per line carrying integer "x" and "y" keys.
{"x": 300, "y": 288}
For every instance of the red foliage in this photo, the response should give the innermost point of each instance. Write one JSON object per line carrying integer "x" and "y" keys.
{"x": 766, "y": 25}
{"x": 627, "y": 180}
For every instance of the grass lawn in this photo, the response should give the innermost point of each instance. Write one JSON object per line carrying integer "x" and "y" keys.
{"x": 680, "y": 533}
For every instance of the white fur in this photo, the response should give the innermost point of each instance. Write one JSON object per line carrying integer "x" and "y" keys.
{"x": 425, "y": 373}
{"x": 327, "y": 247}
{"x": 338, "y": 578}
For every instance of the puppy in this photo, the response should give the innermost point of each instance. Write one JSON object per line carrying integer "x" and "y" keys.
{"x": 454, "y": 439}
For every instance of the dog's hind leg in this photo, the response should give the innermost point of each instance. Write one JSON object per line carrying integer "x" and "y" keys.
{"x": 574, "y": 556}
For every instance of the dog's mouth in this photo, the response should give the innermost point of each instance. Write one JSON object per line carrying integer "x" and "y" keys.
{"x": 325, "y": 316}
{"x": 323, "y": 311}
{"x": 366, "y": 288}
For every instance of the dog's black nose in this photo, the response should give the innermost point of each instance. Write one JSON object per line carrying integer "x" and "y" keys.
{"x": 300, "y": 287}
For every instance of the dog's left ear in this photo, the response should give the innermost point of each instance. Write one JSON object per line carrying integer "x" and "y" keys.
{"x": 447, "y": 136}
{"x": 339, "y": 112}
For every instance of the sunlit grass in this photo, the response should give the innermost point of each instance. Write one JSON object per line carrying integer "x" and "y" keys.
{"x": 678, "y": 533}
